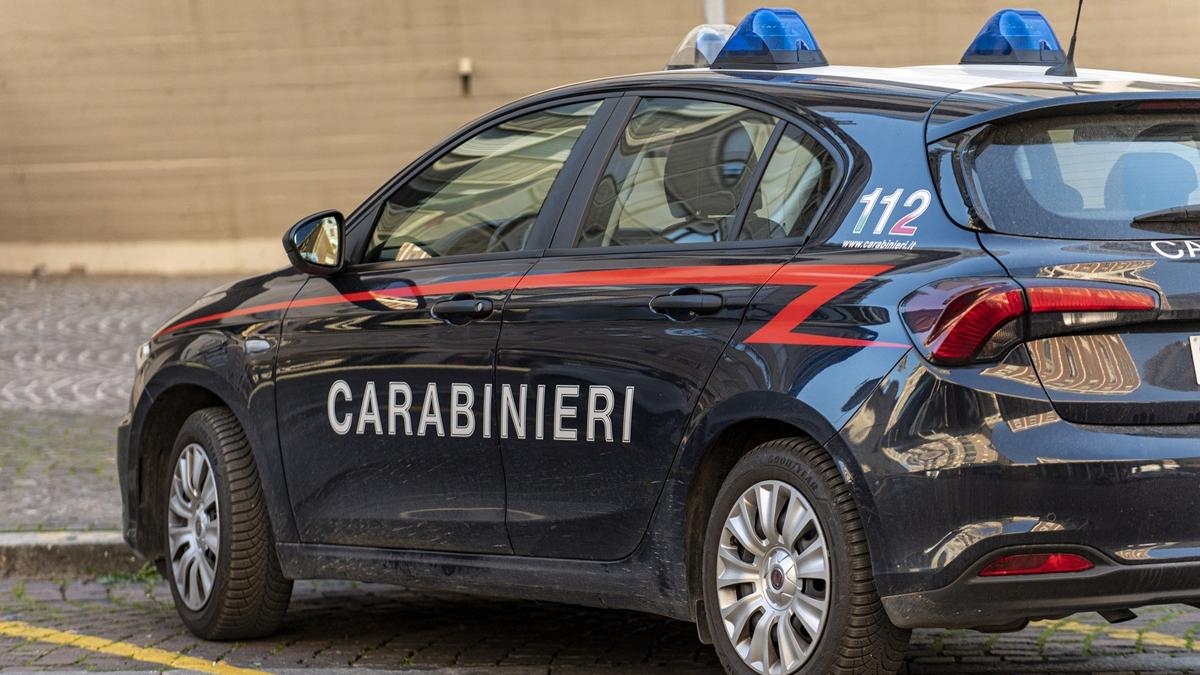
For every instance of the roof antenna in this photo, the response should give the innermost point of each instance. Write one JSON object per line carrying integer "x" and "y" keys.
{"x": 1067, "y": 68}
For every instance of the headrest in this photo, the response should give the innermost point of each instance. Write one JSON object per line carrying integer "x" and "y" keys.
{"x": 705, "y": 173}
{"x": 1143, "y": 181}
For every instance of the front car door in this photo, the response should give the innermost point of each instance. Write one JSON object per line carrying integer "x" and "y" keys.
{"x": 385, "y": 371}
{"x": 608, "y": 341}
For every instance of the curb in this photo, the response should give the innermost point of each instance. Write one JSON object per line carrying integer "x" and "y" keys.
{"x": 47, "y": 555}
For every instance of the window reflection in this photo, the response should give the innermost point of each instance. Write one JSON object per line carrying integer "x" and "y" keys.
{"x": 677, "y": 174}
{"x": 484, "y": 195}
{"x": 794, "y": 185}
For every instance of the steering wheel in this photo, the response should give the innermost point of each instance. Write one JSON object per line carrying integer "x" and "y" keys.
{"x": 506, "y": 228}
{"x": 396, "y": 241}
{"x": 704, "y": 228}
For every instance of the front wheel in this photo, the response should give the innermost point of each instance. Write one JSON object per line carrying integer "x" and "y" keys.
{"x": 220, "y": 557}
{"x": 787, "y": 575}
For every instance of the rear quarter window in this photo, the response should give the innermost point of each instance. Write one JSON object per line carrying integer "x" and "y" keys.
{"x": 1086, "y": 176}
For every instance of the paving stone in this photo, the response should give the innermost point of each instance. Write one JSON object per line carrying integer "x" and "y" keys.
{"x": 66, "y": 361}
{"x": 63, "y": 656}
{"x": 76, "y": 591}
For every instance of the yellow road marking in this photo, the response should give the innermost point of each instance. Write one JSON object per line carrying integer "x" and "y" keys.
{"x": 28, "y": 631}
{"x": 1130, "y": 635}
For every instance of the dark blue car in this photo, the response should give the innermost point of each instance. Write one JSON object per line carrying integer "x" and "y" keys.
{"x": 809, "y": 355}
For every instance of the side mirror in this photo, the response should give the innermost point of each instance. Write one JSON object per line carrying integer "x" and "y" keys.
{"x": 314, "y": 245}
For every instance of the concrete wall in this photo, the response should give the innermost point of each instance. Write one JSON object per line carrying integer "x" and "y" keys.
{"x": 200, "y": 129}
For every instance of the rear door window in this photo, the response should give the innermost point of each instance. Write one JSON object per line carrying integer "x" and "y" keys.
{"x": 677, "y": 174}
{"x": 1086, "y": 176}
{"x": 797, "y": 182}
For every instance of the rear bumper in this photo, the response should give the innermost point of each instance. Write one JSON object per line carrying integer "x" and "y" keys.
{"x": 961, "y": 466}
{"x": 972, "y": 601}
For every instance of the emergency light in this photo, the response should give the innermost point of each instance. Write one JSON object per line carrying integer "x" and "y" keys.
{"x": 1016, "y": 36}
{"x": 770, "y": 39}
{"x": 700, "y": 46}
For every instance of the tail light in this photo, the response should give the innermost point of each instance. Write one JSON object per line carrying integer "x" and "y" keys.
{"x": 1036, "y": 563}
{"x": 963, "y": 321}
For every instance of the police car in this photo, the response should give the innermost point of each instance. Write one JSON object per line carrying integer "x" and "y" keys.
{"x": 809, "y": 355}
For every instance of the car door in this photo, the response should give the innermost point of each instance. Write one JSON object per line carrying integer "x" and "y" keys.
{"x": 608, "y": 341}
{"x": 385, "y": 371}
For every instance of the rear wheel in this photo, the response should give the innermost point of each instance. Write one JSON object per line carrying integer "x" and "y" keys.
{"x": 220, "y": 557}
{"x": 787, "y": 574}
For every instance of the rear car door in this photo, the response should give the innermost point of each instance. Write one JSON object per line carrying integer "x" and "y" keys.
{"x": 385, "y": 371}
{"x": 608, "y": 341}
{"x": 1100, "y": 200}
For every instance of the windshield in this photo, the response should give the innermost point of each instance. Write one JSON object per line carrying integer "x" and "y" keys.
{"x": 1086, "y": 176}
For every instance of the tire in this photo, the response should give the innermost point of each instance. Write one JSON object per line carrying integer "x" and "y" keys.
{"x": 246, "y": 594}
{"x": 784, "y": 585}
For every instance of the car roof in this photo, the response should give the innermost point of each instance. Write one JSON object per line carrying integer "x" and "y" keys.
{"x": 956, "y": 97}
{"x": 968, "y": 77}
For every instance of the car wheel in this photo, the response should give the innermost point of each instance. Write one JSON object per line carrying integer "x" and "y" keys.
{"x": 787, "y": 575}
{"x": 220, "y": 556}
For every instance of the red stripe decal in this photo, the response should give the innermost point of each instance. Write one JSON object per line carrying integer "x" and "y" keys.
{"x": 827, "y": 282}
{"x": 750, "y": 275}
{"x": 445, "y": 288}
{"x": 243, "y": 311}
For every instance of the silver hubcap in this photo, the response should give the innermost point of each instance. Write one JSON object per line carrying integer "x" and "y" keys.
{"x": 194, "y": 526}
{"x": 773, "y": 578}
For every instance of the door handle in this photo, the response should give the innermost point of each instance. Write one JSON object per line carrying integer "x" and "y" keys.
{"x": 462, "y": 310}
{"x": 687, "y": 302}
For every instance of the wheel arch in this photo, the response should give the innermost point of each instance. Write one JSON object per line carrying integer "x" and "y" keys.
{"x": 174, "y": 394}
{"x": 726, "y": 434}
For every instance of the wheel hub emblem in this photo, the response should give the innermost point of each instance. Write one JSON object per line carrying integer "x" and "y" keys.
{"x": 777, "y": 578}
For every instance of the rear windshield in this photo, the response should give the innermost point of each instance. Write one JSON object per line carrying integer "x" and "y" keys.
{"x": 1087, "y": 176}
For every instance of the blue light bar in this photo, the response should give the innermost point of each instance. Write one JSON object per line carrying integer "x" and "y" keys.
{"x": 1015, "y": 36}
{"x": 771, "y": 39}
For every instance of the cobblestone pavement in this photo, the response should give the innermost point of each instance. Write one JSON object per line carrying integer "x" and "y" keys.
{"x": 67, "y": 343}
{"x": 343, "y": 625}
{"x": 66, "y": 363}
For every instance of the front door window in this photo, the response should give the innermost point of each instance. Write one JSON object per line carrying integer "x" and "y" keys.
{"x": 484, "y": 195}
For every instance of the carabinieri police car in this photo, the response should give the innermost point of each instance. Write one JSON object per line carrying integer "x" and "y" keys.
{"x": 810, "y": 355}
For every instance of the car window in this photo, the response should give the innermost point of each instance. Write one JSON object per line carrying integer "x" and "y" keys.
{"x": 794, "y": 185}
{"x": 1086, "y": 176}
{"x": 677, "y": 174}
{"x": 484, "y": 195}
